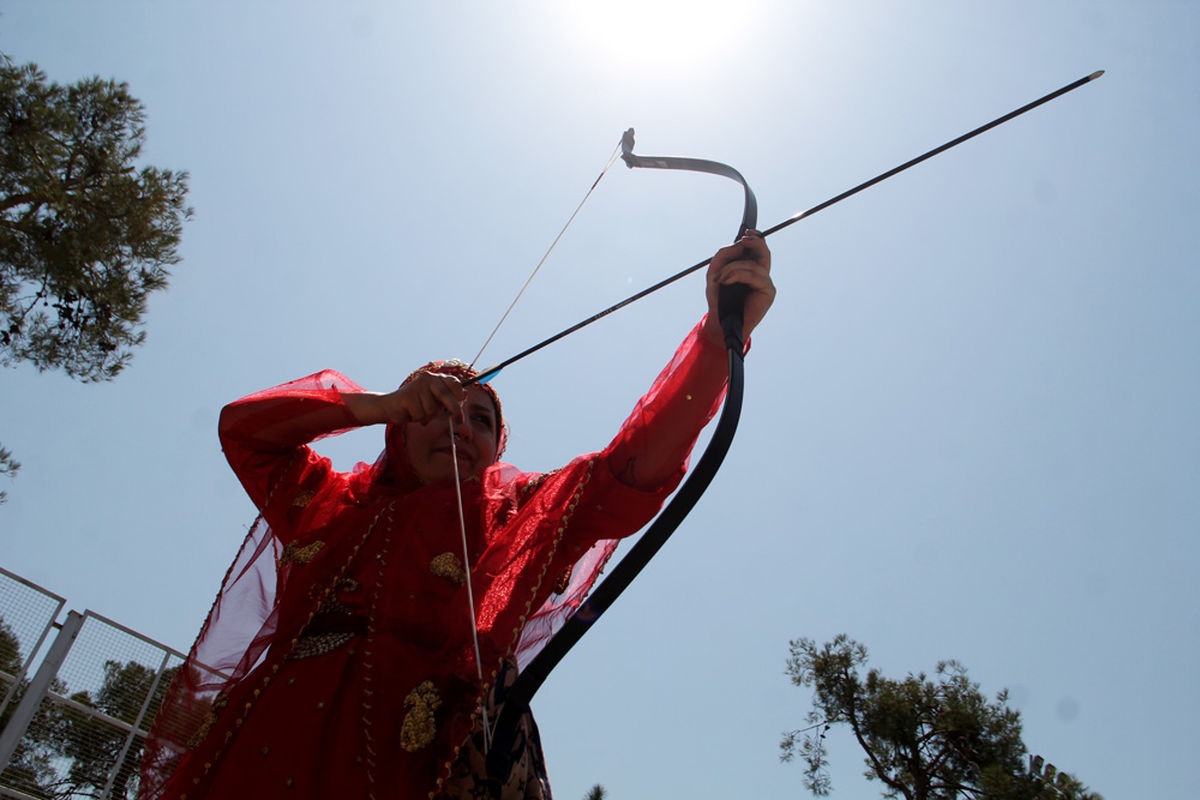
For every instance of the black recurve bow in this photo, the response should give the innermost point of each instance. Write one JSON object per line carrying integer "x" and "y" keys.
{"x": 731, "y": 301}
{"x": 730, "y": 306}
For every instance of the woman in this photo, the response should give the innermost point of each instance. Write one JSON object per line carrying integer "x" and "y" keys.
{"x": 339, "y": 658}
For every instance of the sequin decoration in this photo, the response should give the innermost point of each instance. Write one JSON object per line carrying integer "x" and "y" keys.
{"x": 332, "y": 605}
{"x": 300, "y": 555}
{"x": 318, "y": 644}
{"x": 564, "y": 580}
{"x": 420, "y": 727}
{"x": 302, "y": 499}
{"x": 210, "y": 718}
{"x": 449, "y": 567}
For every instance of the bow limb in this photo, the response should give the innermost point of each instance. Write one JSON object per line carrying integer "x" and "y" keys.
{"x": 731, "y": 302}
{"x": 750, "y": 209}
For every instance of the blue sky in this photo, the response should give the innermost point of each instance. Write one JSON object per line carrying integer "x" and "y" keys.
{"x": 970, "y": 426}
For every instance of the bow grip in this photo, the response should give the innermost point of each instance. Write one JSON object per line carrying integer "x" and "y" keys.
{"x": 731, "y": 311}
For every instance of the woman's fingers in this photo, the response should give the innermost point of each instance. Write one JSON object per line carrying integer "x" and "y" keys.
{"x": 747, "y": 261}
{"x": 445, "y": 395}
{"x": 751, "y": 247}
{"x": 753, "y": 275}
{"x": 429, "y": 395}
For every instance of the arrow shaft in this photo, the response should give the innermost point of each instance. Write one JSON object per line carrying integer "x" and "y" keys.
{"x": 930, "y": 154}
{"x": 491, "y": 372}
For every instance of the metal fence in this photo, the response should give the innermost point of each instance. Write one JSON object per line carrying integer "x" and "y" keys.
{"x": 75, "y": 727}
{"x": 27, "y": 615}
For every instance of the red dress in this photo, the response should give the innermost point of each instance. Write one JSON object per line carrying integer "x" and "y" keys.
{"x": 337, "y": 660}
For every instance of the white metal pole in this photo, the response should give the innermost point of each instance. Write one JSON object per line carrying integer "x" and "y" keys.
{"x": 36, "y": 691}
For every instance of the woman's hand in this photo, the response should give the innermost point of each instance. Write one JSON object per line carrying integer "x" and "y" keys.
{"x": 426, "y": 396}
{"x": 747, "y": 261}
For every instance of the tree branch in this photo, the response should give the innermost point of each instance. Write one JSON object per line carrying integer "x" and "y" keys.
{"x": 958, "y": 787}
{"x": 852, "y": 718}
{"x": 17, "y": 200}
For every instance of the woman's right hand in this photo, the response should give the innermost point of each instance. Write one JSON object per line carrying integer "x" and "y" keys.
{"x": 425, "y": 396}
{"x": 748, "y": 262}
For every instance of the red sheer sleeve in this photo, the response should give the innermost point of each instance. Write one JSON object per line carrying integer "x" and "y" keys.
{"x": 607, "y": 494}
{"x": 265, "y": 437}
{"x": 654, "y": 443}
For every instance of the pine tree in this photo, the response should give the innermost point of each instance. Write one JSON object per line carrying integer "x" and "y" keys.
{"x": 86, "y": 234}
{"x": 924, "y": 739}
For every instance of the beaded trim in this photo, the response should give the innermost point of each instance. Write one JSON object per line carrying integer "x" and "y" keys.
{"x": 210, "y": 718}
{"x": 245, "y": 710}
{"x": 368, "y": 661}
{"x": 423, "y": 701}
{"x": 222, "y": 700}
{"x": 486, "y": 689}
{"x": 529, "y": 488}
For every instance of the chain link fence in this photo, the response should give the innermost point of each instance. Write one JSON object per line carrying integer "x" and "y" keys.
{"x": 74, "y": 728}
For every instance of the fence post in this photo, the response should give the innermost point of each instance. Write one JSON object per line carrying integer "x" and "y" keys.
{"x": 131, "y": 737}
{"x": 15, "y": 729}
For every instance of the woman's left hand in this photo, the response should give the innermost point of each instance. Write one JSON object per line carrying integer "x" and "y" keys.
{"x": 747, "y": 261}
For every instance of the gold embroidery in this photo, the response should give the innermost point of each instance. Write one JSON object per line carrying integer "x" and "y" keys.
{"x": 564, "y": 580}
{"x": 303, "y": 498}
{"x": 310, "y": 644}
{"x": 300, "y": 555}
{"x": 317, "y": 644}
{"x": 564, "y": 521}
{"x": 449, "y": 567}
{"x": 420, "y": 727}
{"x": 210, "y": 718}
{"x": 532, "y": 486}
{"x": 389, "y": 509}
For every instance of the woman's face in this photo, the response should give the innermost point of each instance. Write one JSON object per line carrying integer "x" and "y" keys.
{"x": 427, "y": 444}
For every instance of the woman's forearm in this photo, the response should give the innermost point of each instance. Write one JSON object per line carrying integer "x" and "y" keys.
{"x": 656, "y": 440}
{"x": 285, "y": 420}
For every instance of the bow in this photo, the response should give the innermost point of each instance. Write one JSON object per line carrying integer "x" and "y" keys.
{"x": 731, "y": 302}
{"x": 730, "y": 308}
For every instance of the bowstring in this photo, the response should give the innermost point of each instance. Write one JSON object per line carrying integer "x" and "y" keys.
{"x": 504, "y": 316}
{"x": 462, "y": 524}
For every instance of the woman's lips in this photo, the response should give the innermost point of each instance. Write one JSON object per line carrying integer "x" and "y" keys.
{"x": 464, "y": 456}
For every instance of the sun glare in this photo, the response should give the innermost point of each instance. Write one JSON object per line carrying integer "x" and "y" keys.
{"x": 663, "y": 38}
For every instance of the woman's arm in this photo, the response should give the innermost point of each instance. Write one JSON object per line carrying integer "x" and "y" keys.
{"x": 655, "y": 441}
{"x": 264, "y": 435}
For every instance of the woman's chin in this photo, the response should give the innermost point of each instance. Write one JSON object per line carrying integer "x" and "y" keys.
{"x": 441, "y": 468}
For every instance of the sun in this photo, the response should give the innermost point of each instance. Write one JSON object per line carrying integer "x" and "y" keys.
{"x": 658, "y": 38}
